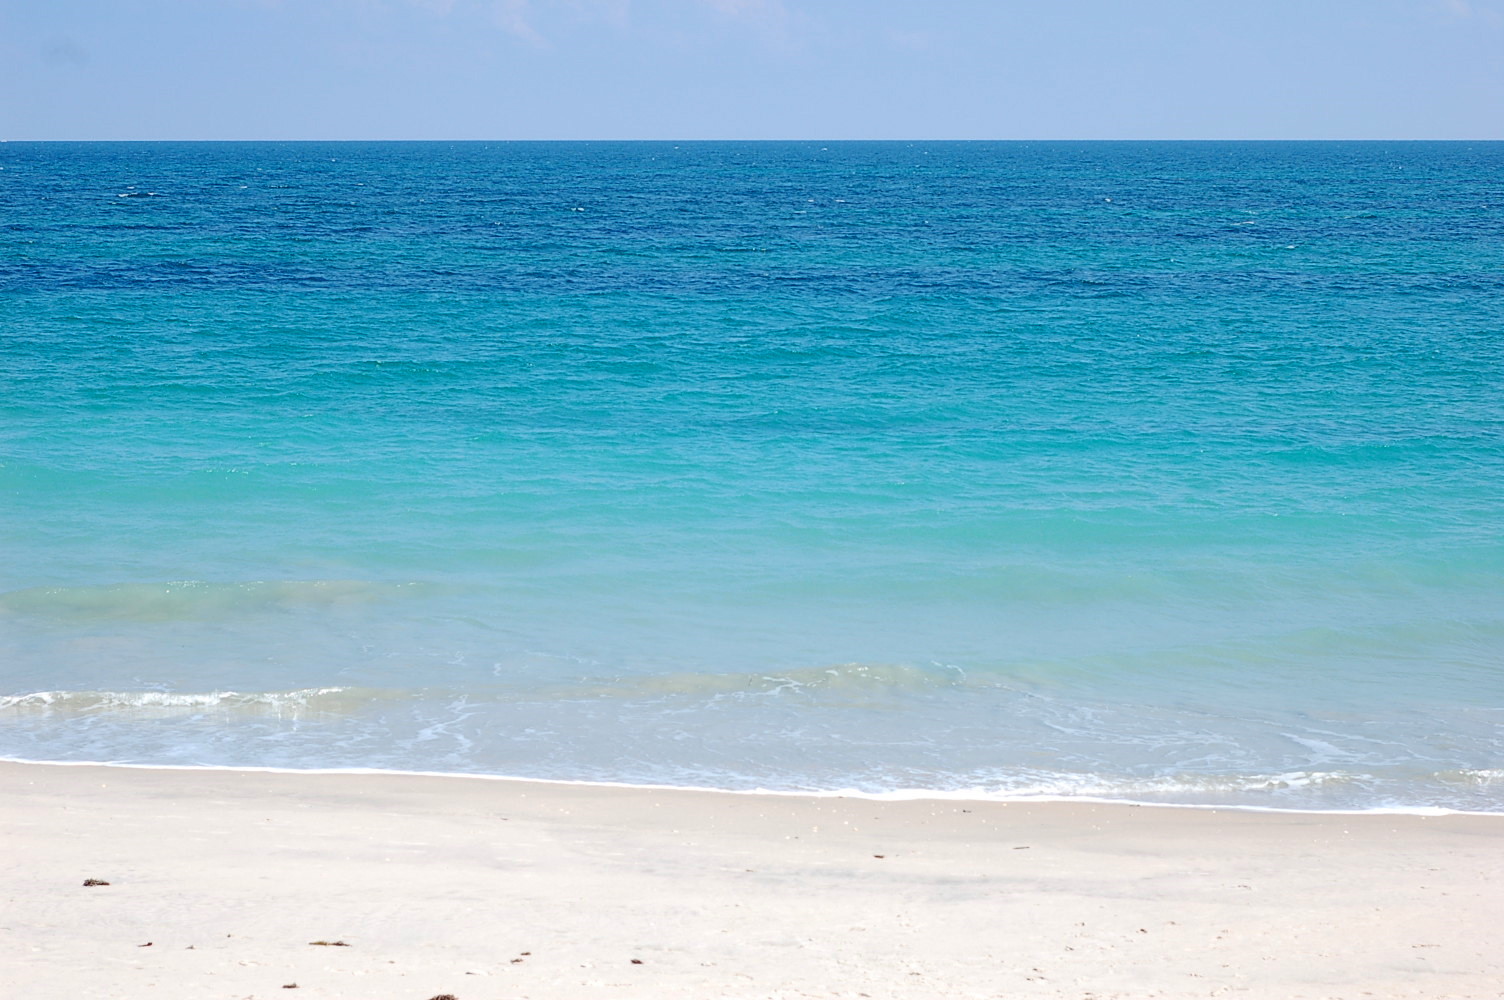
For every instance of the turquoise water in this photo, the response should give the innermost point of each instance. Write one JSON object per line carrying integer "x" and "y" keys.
{"x": 1169, "y": 472}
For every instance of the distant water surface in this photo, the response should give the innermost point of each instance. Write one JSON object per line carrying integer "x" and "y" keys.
{"x": 1166, "y": 472}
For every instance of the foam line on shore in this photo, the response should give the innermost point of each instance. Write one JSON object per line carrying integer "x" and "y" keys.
{"x": 896, "y": 795}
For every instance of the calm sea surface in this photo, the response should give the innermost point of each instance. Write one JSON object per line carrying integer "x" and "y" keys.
{"x": 1169, "y": 472}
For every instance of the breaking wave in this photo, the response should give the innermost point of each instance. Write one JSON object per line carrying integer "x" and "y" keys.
{"x": 77, "y": 703}
{"x": 835, "y": 681}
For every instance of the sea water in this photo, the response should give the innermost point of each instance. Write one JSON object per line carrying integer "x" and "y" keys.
{"x": 1165, "y": 472}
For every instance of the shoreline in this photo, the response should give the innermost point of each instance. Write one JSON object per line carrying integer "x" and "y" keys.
{"x": 896, "y": 795}
{"x": 221, "y": 879}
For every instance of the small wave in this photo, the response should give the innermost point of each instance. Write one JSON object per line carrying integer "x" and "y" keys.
{"x": 190, "y": 600}
{"x": 1477, "y": 778}
{"x": 77, "y": 703}
{"x": 1167, "y": 787}
{"x": 842, "y": 679}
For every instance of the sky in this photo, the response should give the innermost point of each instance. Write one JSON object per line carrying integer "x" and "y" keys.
{"x": 751, "y": 69}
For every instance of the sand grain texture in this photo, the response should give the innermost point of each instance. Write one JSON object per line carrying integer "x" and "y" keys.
{"x": 494, "y": 889}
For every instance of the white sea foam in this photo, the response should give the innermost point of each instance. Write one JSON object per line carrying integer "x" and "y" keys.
{"x": 85, "y": 702}
{"x": 895, "y": 795}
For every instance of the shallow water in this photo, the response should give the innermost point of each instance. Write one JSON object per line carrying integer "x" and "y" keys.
{"x": 1169, "y": 472}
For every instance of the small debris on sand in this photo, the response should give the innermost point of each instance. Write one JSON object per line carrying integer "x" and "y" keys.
{"x": 330, "y": 944}
{"x": 879, "y": 855}
{"x": 444, "y": 996}
{"x": 146, "y": 945}
{"x": 95, "y": 881}
{"x": 636, "y": 961}
{"x": 289, "y": 986}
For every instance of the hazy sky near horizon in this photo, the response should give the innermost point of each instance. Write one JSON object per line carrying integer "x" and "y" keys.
{"x": 751, "y": 69}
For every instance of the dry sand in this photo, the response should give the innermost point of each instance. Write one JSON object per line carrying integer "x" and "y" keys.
{"x": 485, "y": 890}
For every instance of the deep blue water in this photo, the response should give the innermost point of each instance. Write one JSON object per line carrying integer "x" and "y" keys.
{"x": 1165, "y": 471}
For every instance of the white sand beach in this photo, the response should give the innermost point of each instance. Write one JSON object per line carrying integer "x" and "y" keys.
{"x": 220, "y": 882}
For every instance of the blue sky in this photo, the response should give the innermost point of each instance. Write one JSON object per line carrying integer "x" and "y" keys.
{"x": 687, "y": 69}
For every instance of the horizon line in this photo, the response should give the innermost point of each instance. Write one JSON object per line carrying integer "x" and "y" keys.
{"x": 788, "y": 139}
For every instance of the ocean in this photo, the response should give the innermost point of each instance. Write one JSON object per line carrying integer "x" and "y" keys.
{"x": 1162, "y": 472}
